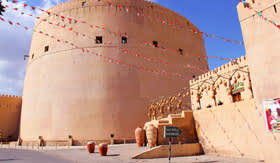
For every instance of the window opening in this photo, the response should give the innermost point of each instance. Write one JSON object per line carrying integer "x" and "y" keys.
{"x": 275, "y": 9}
{"x": 98, "y": 40}
{"x": 124, "y": 40}
{"x": 46, "y": 48}
{"x": 155, "y": 44}
{"x": 193, "y": 76}
{"x": 32, "y": 56}
{"x": 180, "y": 51}
{"x": 84, "y": 4}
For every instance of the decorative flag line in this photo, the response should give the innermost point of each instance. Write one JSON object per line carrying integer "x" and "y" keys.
{"x": 161, "y": 47}
{"x": 157, "y": 60}
{"x": 126, "y": 51}
{"x": 247, "y": 5}
{"x": 128, "y": 10}
{"x": 108, "y": 59}
{"x": 166, "y": 22}
{"x": 187, "y": 66}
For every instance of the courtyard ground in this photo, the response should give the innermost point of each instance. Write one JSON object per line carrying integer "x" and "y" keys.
{"x": 116, "y": 154}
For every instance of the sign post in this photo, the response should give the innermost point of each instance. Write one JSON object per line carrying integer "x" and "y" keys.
{"x": 171, "y": 132}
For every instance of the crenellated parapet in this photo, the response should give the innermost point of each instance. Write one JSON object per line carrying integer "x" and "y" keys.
{"x": 10, "y": 96}
{"x": 231, "y": 66}
{"x": 10, "y": 102}
{"x": 226, "y": 84}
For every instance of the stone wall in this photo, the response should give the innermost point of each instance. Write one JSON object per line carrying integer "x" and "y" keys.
{"x": 10, "y": 109}
{"x": 222, "y": 85}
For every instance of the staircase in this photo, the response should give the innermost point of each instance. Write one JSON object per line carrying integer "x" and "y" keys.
{"x": 185, "y": 145}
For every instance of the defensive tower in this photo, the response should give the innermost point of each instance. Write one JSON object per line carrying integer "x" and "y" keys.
{"x": 71, "y": 92}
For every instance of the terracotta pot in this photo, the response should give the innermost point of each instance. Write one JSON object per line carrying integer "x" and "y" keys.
{"x": 139, "y": 136}
{"x": 103, "y": 148}
{"x": 91, "y": 147}
{"x": 151, "y": 134}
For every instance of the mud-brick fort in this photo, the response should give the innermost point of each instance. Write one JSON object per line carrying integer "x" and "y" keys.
{"x": 72, "y": 94}
{"x": 74, "y": 97}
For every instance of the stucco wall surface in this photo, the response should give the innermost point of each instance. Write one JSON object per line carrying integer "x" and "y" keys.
{"x": 68, "y": 92}
{"x": 236, "y": 130}
{"x": 262, "y": 50}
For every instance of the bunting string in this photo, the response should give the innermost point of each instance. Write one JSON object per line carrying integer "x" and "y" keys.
{"x": 128, "y": 10}
{"x": 123, "y": 50}
{"x": 249, "y": 6}
{"x": 105, "y": 58}
{"x": 163, "y": 49}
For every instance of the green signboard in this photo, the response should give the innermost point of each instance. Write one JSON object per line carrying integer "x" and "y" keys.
{"x": 237, "y": 87}
{"x": 171, "y": 132}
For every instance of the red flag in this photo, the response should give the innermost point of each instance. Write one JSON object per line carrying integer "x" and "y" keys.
{"x": 24, "y": 5}
{"x": 33, "y": 8}
{"x": 2, "y": 19}
{"x": 10, "y": 22}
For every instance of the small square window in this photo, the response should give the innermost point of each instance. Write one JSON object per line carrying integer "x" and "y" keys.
{"x": 193, "y": 76}
{"x": 46, "y": 48}
{"x": 155, "y": 44}
{"x": 98, "y": 40}
{"x": 124, "y": 40}
{"x": 180, "y": 51}
{"x": 84, "y": 4}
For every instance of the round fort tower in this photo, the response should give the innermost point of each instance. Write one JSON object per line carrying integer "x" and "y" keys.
{"x": 71, "y": 92}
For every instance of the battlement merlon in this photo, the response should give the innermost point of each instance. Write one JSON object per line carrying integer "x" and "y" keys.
{"x": 10, "y": 96}
{"x": 239, "y": 62}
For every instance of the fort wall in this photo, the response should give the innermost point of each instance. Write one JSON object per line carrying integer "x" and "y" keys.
{"x": 261, "y": 40}
{"x": 223, "y": 85}
{"x": 10, "y": 109}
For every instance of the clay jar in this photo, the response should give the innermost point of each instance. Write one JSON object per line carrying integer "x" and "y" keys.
{"x": 91, "y": 147}
{"x": 103, "y": 148}
{"x": 139, "y": 136}
{"x": 151, "y": 133}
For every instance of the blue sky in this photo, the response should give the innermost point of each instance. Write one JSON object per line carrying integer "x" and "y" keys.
{"x": 215, "y": 17}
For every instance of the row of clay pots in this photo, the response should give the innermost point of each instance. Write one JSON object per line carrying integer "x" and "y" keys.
{"x": 151, "y": 134}
{"x": 103, "y": 148}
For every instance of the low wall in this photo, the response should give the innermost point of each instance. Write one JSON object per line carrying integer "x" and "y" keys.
{"x": 177, "y": 150}
{"x": 236, "y": 130}
{"x": 75, "y": 142}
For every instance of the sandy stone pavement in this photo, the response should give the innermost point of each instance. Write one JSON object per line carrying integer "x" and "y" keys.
{"x": 116, "y": 154}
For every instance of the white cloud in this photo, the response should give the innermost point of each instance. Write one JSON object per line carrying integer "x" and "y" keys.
{"x": 14, "y": 44}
